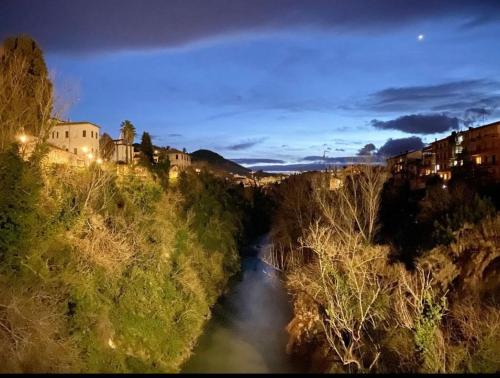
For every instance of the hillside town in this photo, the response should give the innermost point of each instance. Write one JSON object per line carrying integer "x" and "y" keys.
{"x": 475, "y": 151}
{"x": 352, "y": 225}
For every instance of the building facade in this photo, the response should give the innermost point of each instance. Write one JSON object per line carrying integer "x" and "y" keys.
{"x": 478, "y": 146}
{"x": 79, "y": 138}
{"x": 178, "y": 159}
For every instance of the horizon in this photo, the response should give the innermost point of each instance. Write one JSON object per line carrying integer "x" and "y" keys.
{"x": 278, "y": 82}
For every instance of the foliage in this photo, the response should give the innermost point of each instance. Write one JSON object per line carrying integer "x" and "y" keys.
{"x": 147, "y": 148}
{"x": 415, "y": 221}
{"x": 117, "y": 274}
{"x": 106, "y": 146}
{"x": 19, "y": 193}
{"x": 128, "y": 133}
{"x": 367, "y": 312}
{"x": 25, "y": 91}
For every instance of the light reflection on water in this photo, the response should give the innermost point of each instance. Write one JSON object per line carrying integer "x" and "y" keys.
{"x": 247, "y": 331}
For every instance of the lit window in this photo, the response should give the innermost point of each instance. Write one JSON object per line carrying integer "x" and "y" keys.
{"x": 437, "y": 167}
{"x": 478, "y": 160}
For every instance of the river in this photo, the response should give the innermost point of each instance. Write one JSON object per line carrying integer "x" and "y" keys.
{"x": 246, "y": 333}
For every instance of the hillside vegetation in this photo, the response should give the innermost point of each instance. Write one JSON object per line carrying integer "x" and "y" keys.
{"x": 107, "y": 273}
{"x": 359, "y": 306}
{"x": 216, "y": 163}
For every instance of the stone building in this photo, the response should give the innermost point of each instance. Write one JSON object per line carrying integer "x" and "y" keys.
{"x": 479, "y": 146}
{"x": 79, "y": 138}
{"x": 177, "y": 158}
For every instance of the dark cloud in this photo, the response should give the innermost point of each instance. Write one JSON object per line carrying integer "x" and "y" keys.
{"x": 258, "y": 161}
{"x": 397, "y": 146}
{"x": 368, "y": 149}
{"x": 452, "y": 97}
{"x": 245, "y": 145}
{"x": 339, "y": 160}
{"x": 420, "y": 123}
{"x": 174, "y": 135}
{"x": 302, "y": 167}
{"x": 339, "y": 149}
{"x": 106, "y": 25}
{"x": 473, "y": 116}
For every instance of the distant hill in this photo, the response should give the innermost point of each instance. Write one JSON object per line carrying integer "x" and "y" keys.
{"x": 215, "y": 162}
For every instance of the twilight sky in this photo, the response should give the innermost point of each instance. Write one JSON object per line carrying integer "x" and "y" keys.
{"x": 272, "y": 81}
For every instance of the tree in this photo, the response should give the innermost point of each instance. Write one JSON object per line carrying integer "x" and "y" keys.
{"x": 128, "y": 132}
{"x": 26, "y": 99}
{"x": 147, "y": 148}
{"x": 106, "y": 146}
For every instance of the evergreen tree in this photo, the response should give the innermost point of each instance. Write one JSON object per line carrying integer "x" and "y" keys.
{"x": 147, "y": 147}
{"x": 106, "y": 146}
{"x": 25, "y": 90}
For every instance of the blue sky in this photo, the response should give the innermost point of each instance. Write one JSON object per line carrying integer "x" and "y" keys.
{"x": 288, "y": 90}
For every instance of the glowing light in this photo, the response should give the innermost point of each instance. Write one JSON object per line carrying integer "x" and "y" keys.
{"x": 420, "y": 37}
{"x": 85, "y": 149}
{"x": 90, "y": 156}
{"x": 99, "y": 161}
{"x": 23, "y": 138}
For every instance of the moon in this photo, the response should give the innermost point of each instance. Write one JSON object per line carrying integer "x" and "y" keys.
{"x": 420, "y": 37}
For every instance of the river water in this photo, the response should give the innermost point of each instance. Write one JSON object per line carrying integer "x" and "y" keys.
{"x": 246, "y": 333}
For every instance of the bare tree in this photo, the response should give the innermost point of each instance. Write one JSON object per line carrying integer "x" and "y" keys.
{"x": 351, "y": 271}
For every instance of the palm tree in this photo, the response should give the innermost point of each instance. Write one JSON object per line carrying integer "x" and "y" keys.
{"x": 128, "y": 132}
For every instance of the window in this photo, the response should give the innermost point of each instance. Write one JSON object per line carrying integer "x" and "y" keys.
{"x": 96, "y": 134}
{"x": 478, "y": 160}
{"x": 52, "y": 134}
{"x": 57, "y": 135}
{"x": 91, "y": 134}
{"x": 67, "y": 134}
{"x": 176, "y": 157}
{"x": 75, "y": 151}
{"x": 493, "y": 159}
{"x": 84, "y": 133}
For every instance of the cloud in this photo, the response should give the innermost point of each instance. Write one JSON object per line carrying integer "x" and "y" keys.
{"x": 245, "y": 145}
{"x": 452, "y": 97}
{"x": 339, "y": 149}
{"x": 97, "y": 25}
{"x": 174, "y": 135}
{"x": 258, "y": 161}
{"x": 339, "y": 160}
{"x": 368, "y": 149}
{"x": 419, "y": 123}
{"x": 396, "y": 146}
{"x": 302, "y": 167}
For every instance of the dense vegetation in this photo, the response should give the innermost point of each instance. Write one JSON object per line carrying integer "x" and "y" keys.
{"x": 107, "y": 273}
{"x": 386, "y": 285}
{"x": 103, "y": 268}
